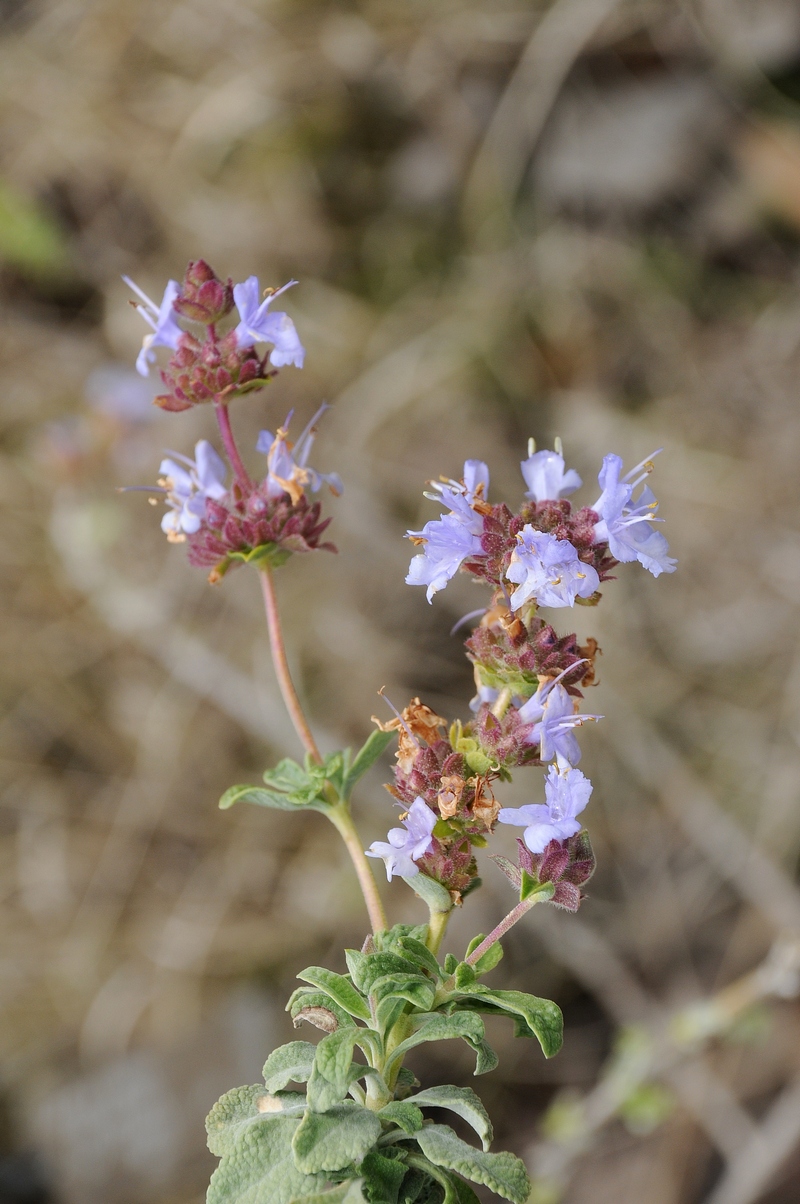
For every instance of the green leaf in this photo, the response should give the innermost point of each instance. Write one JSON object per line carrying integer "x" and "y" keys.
{"x": 265, "y": 798}
{"x": 259, "y": 1167}
{"x": 348, "y": 1192}
{"x": 422, "y": 1191}
{"x": 414, "y": 988}
{"x": 485, "y": 1058}
{"x": 334, "y": 1071}
{"x": 230, "y": 1116}
{"x": 541, "y": 1017}
{"x": 288, "y": 777}
{"x": 431, "y": 892}
{"x": 466, "y": 1025}
{"x": 450, "y": 963}
{"x": 366, "y": 756}
{"x": 366, "y": 968}
{"x": 336, "y": 1139}
{"x": 464, "y": 976}
{"x": 404, "y": 1114}
{"x": 305, "y": 1001}
{"x": 382, "y": 1177}
{"x": 461, "y": 1100}
{"x": 340, "y": 989}
{"x": 502, "y": 1173}
{"x": 290, "y": 1063}
{"x": 388, "y": 1012}
{"x": 464, "y": 1192}
{"x": 489, "y": 959}
{"x": 406, "y": 1083}
{"x": 421, "y": 954}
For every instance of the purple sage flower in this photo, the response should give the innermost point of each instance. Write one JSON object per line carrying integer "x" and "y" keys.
{"x": 545, "y": 476}
{"x": 187, "y": 486}
{"x": 566, "y": 794}
{"x": 407, "y": 844}
{"x": 166, "y": 331}
{"x": 548, "y": 571}
{"x": 552, "y": 710}
{"x": 451, "y": 539}
{"x": 288, "y": 470}
{"x": 258, "y": 325}
{"x": 625, "y": 525}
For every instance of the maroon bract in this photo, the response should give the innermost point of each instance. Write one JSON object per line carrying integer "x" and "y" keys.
{"x": 243, "y": 530}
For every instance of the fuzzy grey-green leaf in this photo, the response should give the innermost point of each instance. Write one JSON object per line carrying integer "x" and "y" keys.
{"x": 260, "y": 1168}
{"x": 348, "y": 1192}
{"x": 336, "y": 1139}
{"x": 289, "y": 1063}
{"x": 542, "y": 1017}
{"x": 340, "y": 989}
{"x": 461, "y": 1100}
{"x": 467, "y": 1025}
{"x": 502, "y": 1173}
{"x": 404, "y": 1114}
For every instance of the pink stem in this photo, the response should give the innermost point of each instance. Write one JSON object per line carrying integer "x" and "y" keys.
{"x": 224, "y": 421}
{"x": 502, "y": 928}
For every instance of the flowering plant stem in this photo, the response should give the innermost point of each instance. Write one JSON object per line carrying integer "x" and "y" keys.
{"x": 339, "y": 813}
{"x": 437, "y": 925}
{"x": 502, "y": 928}
{"x": 232, "y": 451}
{"x": 342, "y": 820}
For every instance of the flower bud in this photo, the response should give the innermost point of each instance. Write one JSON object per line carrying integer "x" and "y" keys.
{"x": 204, "y": 298}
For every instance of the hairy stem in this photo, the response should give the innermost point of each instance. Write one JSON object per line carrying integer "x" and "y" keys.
{"x": 281, "y": 664}
{"x": 502, "y": 928}
{"x": 339, "y": 813}
{"x": 437, "y": 926}
{"x": 342, "y": 820}
{"x": 231, "y": 450}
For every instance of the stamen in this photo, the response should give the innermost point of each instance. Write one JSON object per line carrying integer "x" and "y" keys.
{"x": 531, "y": 447}
{"x": 646, "y": 464}
{"x": 140, "y": 293}
{"x": 558, "y": 446}
{"x": 403, "y": 723}
{"x": 473, "y": 614}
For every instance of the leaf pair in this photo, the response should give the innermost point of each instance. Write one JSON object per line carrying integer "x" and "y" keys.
{"x": 290, "y": 786}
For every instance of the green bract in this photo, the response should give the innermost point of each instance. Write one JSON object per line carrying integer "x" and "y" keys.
{"x": 360, "y": 1132}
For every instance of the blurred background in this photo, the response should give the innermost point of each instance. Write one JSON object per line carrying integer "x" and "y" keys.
{"x": 509, "y": 219}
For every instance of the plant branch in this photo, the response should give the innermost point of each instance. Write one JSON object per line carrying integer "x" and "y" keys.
{"x": 437, "y": 926}
{"x": 502, "y": 928}
{"x": 339, "y": 813}
{"x": 342, "y": 820}
{"x": 232, "y": 451}
{"x": 281, "y": 664}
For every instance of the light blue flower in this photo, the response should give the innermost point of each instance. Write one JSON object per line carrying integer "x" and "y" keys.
{"x": 545, "y": 477}
{"x": 453, "y": 538}
{"x": 288, "y": 470}
{"x": 166, "y": 331}
{"x": 626, "y": 525}
{"x": 258, "y": 325}
{"x": 552, "y": 711}
{"x": 566, "y": 794}
{"x": 187, "y": 486}
{"x": 548, "y": 571}
{"x": 407, "y": 844}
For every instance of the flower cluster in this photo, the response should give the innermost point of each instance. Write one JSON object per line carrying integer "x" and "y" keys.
{"x": 206, "y": 366}
{"x": 242, "y": 520}
{"x": 528, "y": 679}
